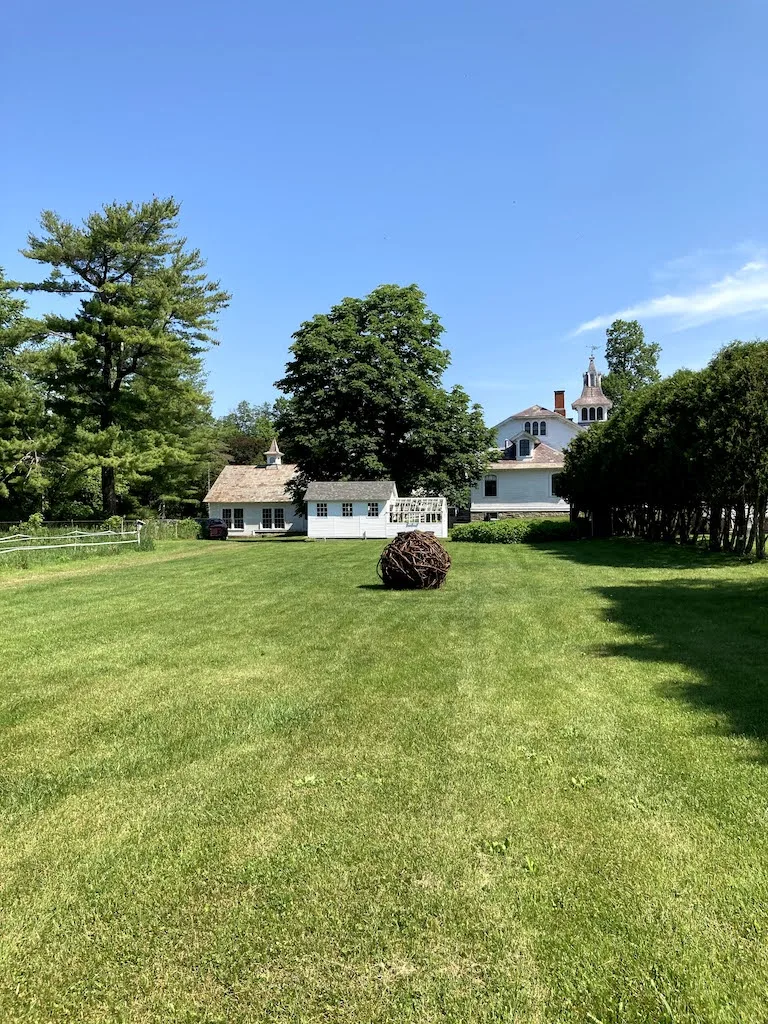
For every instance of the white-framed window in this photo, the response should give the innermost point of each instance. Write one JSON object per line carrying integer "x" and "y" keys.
{"x": 373, "y": 509}
{"x": 226, "y": 515}
{"x": 238, "y": 520}
{"x": 535, "y": 428}
{"x": 491, "y": 486}
{"x": 346, "y": 509}
{"x": 266, "y": 518}
{"x": 321, "y": 509}
{"x": 279, "y": 518}
{"x": 527, "y": 428}
{"x": 600, "y": 412}
{"x": 584, "y": 414}
{"x": 592, "y": 412}
{"x": 524, "y": 448}
{"x": 543, "y": 428}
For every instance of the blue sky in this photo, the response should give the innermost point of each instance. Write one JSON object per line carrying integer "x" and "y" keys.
{"x": 535, "y": 168}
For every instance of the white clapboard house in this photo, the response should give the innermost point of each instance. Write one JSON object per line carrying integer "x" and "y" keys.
{"x": 522, "y": 477}
{"x": 255, "y": 499}
{"x": 369, "y": 509}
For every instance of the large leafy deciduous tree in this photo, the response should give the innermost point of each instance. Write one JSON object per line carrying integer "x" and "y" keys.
{"x": 123, "y": 369}
{"x": 366, "y": 399}
{"x": 246, "y": 432}
{"x": 632, "y": 361}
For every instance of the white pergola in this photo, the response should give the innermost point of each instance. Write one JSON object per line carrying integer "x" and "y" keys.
{"x": 417, "y": 510}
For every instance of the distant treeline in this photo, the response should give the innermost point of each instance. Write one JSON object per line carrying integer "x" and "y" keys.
{"x": 682, "y": 457}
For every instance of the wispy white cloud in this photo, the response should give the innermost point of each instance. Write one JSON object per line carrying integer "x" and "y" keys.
{"x": 739, "y": 292}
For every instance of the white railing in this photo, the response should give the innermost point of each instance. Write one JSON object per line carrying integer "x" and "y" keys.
{"x": 74, "y": 539}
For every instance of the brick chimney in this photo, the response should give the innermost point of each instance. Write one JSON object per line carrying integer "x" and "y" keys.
{"x": 560, "y": 402}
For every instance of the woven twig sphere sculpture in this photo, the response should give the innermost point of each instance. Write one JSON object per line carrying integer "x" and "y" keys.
{"x": 414, "y": 561}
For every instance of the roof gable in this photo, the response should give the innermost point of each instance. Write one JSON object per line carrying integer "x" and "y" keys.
{"x": 538, "y": 412}
{"x": 522, "y": 433}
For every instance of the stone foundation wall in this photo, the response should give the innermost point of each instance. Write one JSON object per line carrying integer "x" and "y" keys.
{"x": 479, "y": 517}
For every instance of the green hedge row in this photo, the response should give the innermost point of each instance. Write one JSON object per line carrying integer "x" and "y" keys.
{"x": 515, "y": 531}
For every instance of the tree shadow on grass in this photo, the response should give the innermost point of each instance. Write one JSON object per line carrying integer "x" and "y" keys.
{"x": 719, "y": 629}
{"x": 632, "y": 553}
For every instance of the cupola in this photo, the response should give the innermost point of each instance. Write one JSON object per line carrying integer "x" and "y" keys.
{"x": 592, "y": 405}
{"x": 273, "y": 454}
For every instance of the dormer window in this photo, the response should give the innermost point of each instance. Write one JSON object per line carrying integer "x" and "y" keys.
{"x": 528, "y": 427}
{"x": 584, "y": 414}
{"x": 535, "y": 430}
{"x": 543, "y": 428}
{"x": 524, "y": 448}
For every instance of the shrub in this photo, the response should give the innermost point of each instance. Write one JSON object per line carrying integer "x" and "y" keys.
{"x": 35, "y": 524}
{"x": 515, "y": 531}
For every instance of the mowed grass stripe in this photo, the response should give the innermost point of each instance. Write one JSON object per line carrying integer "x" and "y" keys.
{"x": 247, "y": 784}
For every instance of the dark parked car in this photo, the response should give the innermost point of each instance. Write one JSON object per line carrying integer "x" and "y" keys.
{"x": 213, "y": 529}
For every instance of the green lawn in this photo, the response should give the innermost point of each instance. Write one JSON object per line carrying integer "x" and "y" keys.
{"x": 243, "y": 783}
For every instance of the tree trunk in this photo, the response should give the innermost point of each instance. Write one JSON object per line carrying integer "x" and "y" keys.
{"x": 715, "y": 527}
{"x": 683, "y": 525}
{"x": 698, "y": 518}
{"x": 752, "y": 534}
{"x": 760, "y": 516}
{"x": 740, "y": 529}
{"x": 725, "y": 528}
{"x": 108, "y": 491}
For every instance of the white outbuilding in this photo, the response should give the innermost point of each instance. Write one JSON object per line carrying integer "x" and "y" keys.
{"x": 255, "y": 500}
{"x": 368, "y": 509}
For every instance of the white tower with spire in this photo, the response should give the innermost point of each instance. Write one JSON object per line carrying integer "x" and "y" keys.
{"x": 274, "y": 455}
{"x": 592, "y": 405}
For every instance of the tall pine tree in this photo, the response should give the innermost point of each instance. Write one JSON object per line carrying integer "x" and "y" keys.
{"x": 123, "y": 370}
{"x": 25, "y": 434}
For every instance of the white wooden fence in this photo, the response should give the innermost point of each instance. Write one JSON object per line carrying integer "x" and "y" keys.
{"x": 73, "y": 539}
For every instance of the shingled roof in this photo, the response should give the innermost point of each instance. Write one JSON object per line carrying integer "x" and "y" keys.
{"x": 252, "y": 483}
{"x": 543, "y": 457}
{"x": 531, "y": 412}
{"x": 351, "y": 490}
